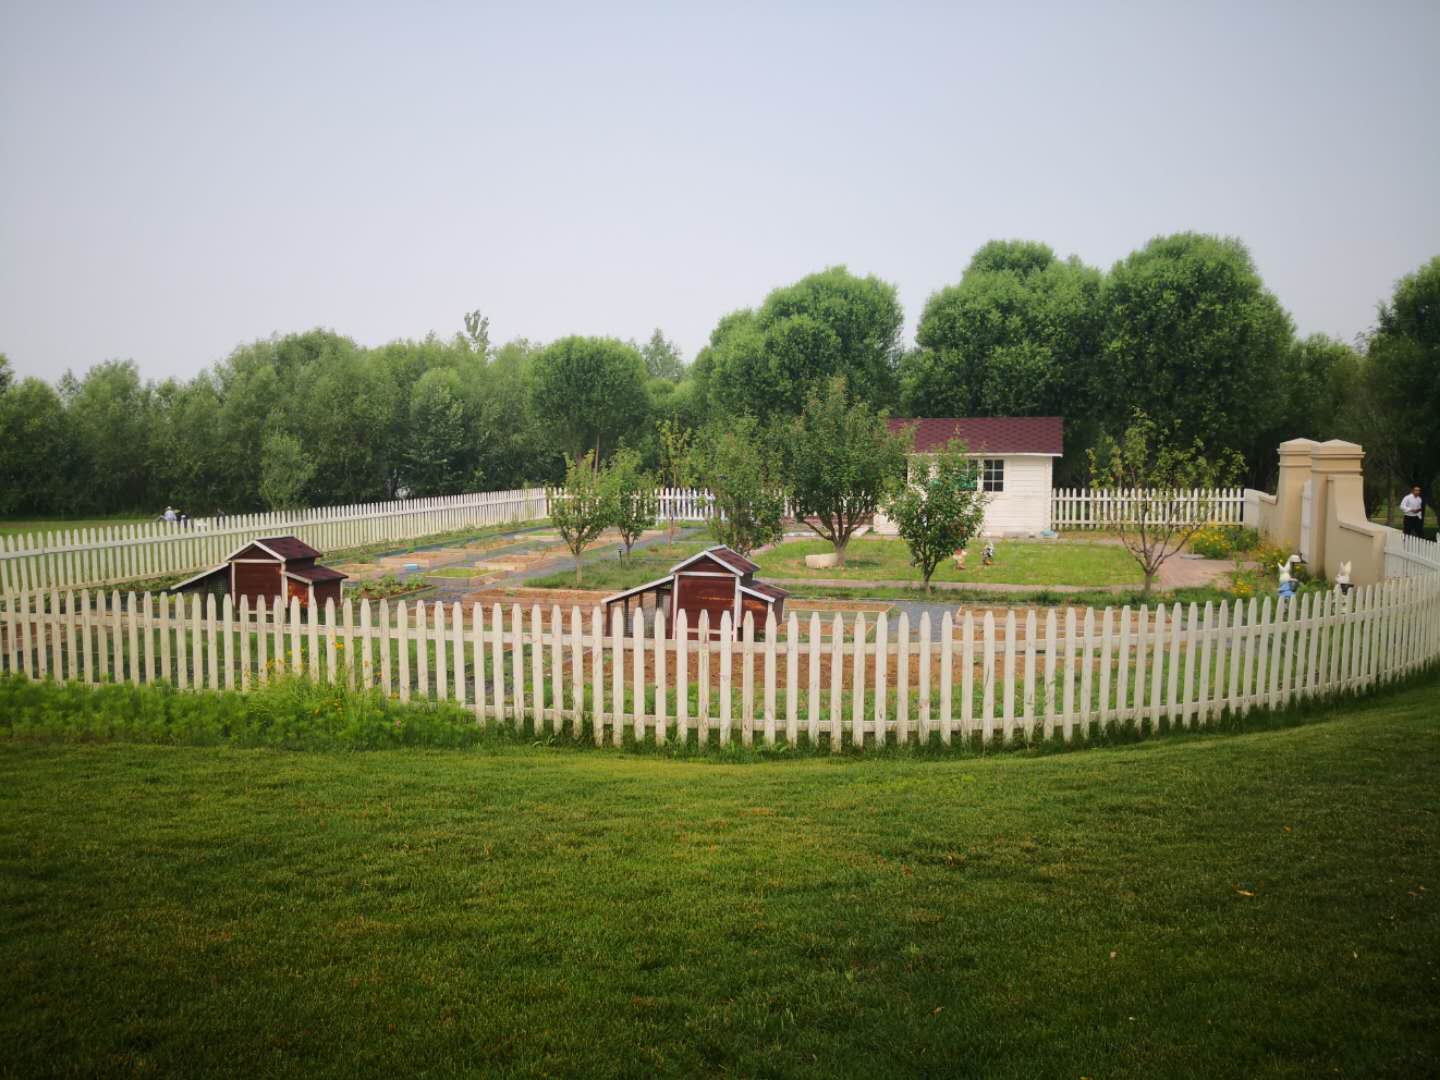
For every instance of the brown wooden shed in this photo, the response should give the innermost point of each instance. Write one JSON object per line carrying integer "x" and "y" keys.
{"x": 717, "y": 580}
{"x": 270, "y": 567}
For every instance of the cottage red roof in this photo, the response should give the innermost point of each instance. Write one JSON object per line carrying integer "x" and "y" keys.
{"x": 989, "y": 434}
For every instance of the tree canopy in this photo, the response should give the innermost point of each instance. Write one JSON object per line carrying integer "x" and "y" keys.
{"x": 591, "y": 392}
{"x": 832, "y": 323}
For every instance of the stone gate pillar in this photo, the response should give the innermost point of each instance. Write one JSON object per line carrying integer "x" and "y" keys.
{"x": 1338, "y": 494}
{"x": 1295, "y": 469}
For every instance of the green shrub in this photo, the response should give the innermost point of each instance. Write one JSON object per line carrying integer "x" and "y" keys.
{"x": 1223, "y": 541}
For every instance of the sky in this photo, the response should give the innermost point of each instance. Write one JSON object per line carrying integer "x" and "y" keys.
{"x": 180, "y": 179}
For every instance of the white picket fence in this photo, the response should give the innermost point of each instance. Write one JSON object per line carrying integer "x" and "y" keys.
{"x": 819, "y": 682}
{"x": 1105, "y": 508}
{"x": 685, "y": 504}
{"x": 1410, "y": 556}
{"x": 75, "y": 558}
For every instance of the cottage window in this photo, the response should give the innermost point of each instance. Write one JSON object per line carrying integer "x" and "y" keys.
{"x": 993, "y": 474}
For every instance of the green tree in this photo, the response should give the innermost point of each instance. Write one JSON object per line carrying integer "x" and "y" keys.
{"x": 636, "y": 501}
{"x": 1403, "y": 372}
{"x": 675, "y": 465}
{"x": 35, "y": 446}
{"x": 939, "y": 511}
{"x": 662, "y": 358}
{"x": 584, "y": 508}
{"x": 732, "y": 460}
{"x": 434, "y": 452}
{"x": 477, "y": 332}
{"x": 1172, "y": 477}
{"x": 108, "y": 412}
{"x": 1195, "y": 340}
{"x": 840, "y": 462}
{"x": 591, "y": 391}
{"x": 1018, "y": 336}
{"x": 831, "y": 323}
{"x": 285, "y": 471}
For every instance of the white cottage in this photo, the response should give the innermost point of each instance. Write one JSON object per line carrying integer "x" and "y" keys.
{"x": 1017, "y": 460}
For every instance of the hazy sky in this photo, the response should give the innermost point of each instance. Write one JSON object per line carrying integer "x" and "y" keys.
{"x": 177, "y": 179}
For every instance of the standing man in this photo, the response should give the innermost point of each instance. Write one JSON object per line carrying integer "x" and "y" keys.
{"x": 1413, "y": 507}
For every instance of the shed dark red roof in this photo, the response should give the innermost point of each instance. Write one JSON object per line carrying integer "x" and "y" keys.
{"x": 289, "y": 547}
{"x": 989, "y": 434}
{"x": 315, "y": 574}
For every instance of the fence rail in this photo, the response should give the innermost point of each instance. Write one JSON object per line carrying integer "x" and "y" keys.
{"x": 817, "y": 682}
{"x": 106, "y": 555}
{"x": 1105, "y": 508}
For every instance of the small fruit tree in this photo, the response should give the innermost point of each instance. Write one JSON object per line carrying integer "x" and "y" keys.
{"x": 1174, "y": 482}
{"x": 840, "y": 463}
{"x": 632, "y": 489}
{"x": 584, "y": 508}
{"x": 675, "y": 465}
{"x": 732, "y": 460}
{"x": 937, "y": 514}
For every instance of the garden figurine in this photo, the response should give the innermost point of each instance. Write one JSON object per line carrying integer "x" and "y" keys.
{"x": 960, "y": 554}
{"x": 1288, "y": 583}
{"x": 989, "y": 556}
{"x": 1343, "y": 584}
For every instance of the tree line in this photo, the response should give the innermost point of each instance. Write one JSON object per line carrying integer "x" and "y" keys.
{"x": 1182, "y": 329}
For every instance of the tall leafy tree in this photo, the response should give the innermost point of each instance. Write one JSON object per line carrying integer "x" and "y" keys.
{"x": 831, "y": 323}
{"x": 285, "y": 471}
{"x": 840, "y": 463}
{"x": 1019, "y": 335}
{"x": 591, "y": 392}
{"x": 662, "y": 358}
{"x": 1403, "y": 371}
{"x": 1195, "y": 341}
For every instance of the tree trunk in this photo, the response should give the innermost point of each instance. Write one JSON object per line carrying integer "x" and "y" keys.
{"x": 1149, "y": 582}
{"x": 577, "y": 569}
{"x": 840, "y": 553}
{"x": 927, "y": 583}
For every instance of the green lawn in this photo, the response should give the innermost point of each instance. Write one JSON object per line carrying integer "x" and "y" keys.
{"x": 1070, "y": 562}
{"x": 1257, "y": 904}
{"x": 607, "y": 571}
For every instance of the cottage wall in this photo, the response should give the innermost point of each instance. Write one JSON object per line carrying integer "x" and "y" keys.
{"x": 1022, "y": 508}
{"x": 1024, "y": 505}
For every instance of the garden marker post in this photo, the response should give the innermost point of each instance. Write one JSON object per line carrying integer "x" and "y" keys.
{"x": 926, "y": 646}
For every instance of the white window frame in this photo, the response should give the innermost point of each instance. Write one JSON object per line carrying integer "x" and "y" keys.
{"x": 995, "y": 485}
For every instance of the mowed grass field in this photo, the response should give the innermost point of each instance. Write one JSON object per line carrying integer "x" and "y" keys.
{"x": 1068, "y": 562}
{"x": 1261, "y": 904}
